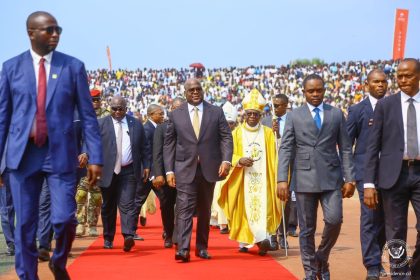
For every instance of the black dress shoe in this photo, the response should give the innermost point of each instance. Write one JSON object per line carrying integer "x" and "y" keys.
{"x": 59, "y": 273}
{"x": 243, "y": 250}
{"x": 143, "y": 221}
{"x": 43, "y": 254}
{"x": 182, "y": 255}
{"x": 108, "y": 244}
{"x": 128, "y": 243}
{"x": 202, "y": 254}
{"x": 224, "y": 230}
{"x": 263, "y": 247}
{"x": 274, "y": 245}
{"x": 10, "y": 251}
{"x": 283, "y": 243}
{"x": 168, "y": 243}
{"x": 138, "y": 237}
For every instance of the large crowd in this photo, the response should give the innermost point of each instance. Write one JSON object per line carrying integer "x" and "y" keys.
{"x": 142, "y": 87}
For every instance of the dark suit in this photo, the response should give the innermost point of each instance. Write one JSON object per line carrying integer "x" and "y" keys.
{"x": 372, "y": 230}
{"x": 143, "y": 189}
{"x": 56, "y": 160}
{"x": 196, "y": 165}
{"x": 319, "y": 178}
{"x": 290, "y": 210}
{"x": 168, "y": 194}
{"x": 398, "y": 183}
{"x": 119, "y": 190}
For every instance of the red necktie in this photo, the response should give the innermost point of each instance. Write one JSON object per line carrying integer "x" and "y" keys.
{"x": 41, "y": 119}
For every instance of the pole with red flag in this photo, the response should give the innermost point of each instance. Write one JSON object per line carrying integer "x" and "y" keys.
{"x": 108, "y": 54}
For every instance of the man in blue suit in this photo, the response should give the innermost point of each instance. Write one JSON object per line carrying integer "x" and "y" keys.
{"x": 392, "y": 166}
{"x": 39, "y": 91}
{"x": 359, "y": 124}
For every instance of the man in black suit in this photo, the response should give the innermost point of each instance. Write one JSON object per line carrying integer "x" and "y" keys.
{"x": 277, "y": 123}
{"x": 359, "y": 124}
{"x": 393, "y": 166}
{"x": 198, "y": 149}
{"x": 126, "y": 163}
{"x": 155, "y": 116}
{"x": 167, "y": 193}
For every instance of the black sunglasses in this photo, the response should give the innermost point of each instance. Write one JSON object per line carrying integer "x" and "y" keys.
{"x": 279, "y": 105}
{"x": 121, "y": 109}
{"x": 50, "y": 29}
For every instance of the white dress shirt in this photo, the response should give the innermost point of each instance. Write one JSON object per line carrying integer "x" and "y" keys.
{"x": 321, "y": 111}
{"x": 373, "y": 101}
{"x": 47, "y": 64}
{"x": 200, "y": 112}
{"x": 127, "y": 157}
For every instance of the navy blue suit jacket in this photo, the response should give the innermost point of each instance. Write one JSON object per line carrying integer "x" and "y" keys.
{"x": 359, "y": 124}
{"x": 385, "y": 148}
{"x": 140, "y": 148}
{"x": 67, "y": 91}
{"x": 149, "y": 129}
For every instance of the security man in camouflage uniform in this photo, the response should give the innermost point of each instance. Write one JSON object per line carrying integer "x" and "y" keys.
{"x": 86, "y": 195}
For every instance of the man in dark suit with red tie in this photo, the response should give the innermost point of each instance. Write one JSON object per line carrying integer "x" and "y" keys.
{"x": 198, "y": 148}
{"x": 393, "y": 166}
{"x": 359, "y": 124}
{"x": 40, "y": 90}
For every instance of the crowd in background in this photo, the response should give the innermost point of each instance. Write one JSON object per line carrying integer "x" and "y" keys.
{"x": 142, "y": 87}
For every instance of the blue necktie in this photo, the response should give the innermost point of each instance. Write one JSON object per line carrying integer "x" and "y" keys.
{"x": 317, "y": 118}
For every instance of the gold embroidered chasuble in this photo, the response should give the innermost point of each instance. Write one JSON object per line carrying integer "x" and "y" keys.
{"x": 248, "y": 194}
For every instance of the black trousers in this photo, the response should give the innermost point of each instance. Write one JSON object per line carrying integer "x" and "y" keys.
{"x": 167, "y": 198}
{"x": 119, "y": 194}
{"x": 395, "y": 202}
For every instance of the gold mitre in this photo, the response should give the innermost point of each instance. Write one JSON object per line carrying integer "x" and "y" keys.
{"x": 254, "y": 101}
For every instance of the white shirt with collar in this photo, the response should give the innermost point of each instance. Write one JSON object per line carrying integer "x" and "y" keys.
{"x": 154, "y": 124}
{"x": 321, "y": 110}
{"x": 127, "y": 156}
{"x": 200, "y": 112}
{"x": 404, "y": 104}
{"x": 47, "y": 64}
{"x": 373, "y": 101}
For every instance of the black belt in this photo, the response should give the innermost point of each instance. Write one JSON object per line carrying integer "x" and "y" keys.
{"x": 411, "y": 162}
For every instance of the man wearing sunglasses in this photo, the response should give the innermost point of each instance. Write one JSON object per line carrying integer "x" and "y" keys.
{"x": 127, "y": 156}
{"x": 198, "y": 150}
{"x": 40, "y": 90}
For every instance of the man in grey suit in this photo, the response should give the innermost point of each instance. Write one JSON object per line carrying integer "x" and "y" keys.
{"x": 127, "y": 157}
{"x": 198, "y": 149}
{"x": 312, "y": 134}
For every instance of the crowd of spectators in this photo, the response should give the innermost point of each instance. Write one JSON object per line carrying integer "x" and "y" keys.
{"x": 142, "y": 87}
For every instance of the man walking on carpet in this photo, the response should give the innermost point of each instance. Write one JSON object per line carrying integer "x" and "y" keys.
{"x": 248, "y": 195}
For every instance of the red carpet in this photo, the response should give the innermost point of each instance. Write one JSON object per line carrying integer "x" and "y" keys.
{"x": 149, "y": 260}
